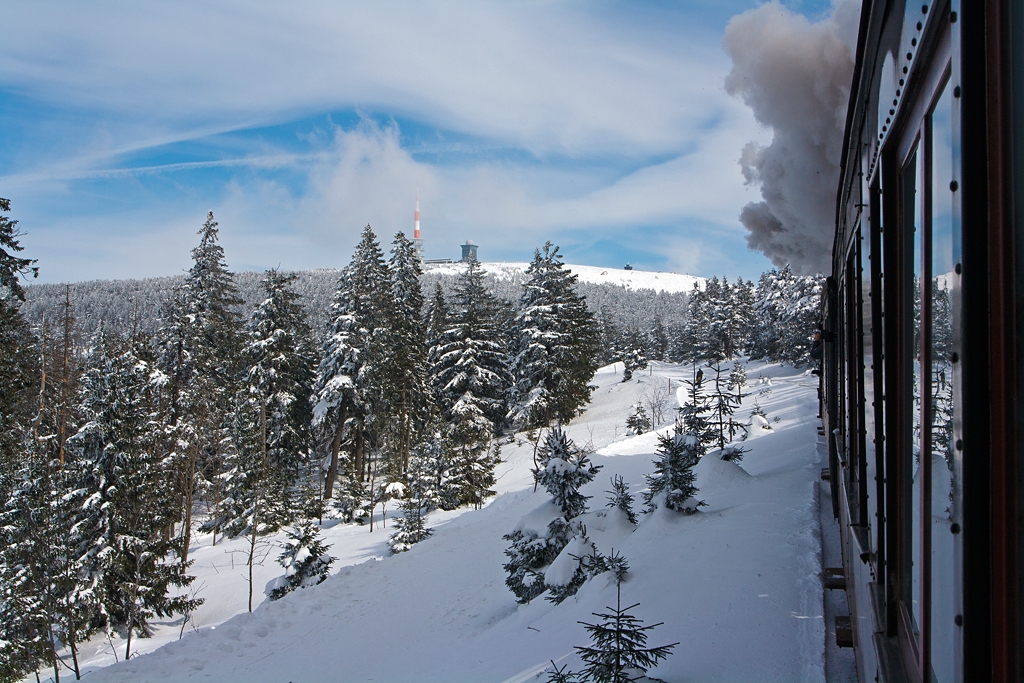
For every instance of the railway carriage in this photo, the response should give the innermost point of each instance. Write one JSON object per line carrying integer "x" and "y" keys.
{"x": 923, "y": 367}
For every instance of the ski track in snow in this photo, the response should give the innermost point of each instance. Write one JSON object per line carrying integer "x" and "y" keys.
{"x": 738, "y": 584}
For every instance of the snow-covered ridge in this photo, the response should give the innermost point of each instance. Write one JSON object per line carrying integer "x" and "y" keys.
{"x": 630, "y": 279}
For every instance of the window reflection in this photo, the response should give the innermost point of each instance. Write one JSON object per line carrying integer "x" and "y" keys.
{"x": 943, "y": 480}
{"x": 916, "y": 228}
{"x": 911, "y": 574}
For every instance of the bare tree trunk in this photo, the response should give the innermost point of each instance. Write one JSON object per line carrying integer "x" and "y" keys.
{"x": 252, "y": 547}
{"x": 189, "y": 495}
{"x": 74, "y": 655}
{"x": 535, "y": 437}
{"x": 358, "y": 453}
{"x": 332, "y": 471}
{"x": 42, "y": 385}
{"x": 53, "y": 650}
{"x": 64, "y": 386}
{"x": 254, "y": 529}
{"x": 71, "y": 636}
{"x": 128, "y": 644}
{"x": 406, "y": 429}
{"x": 373, "y": 501}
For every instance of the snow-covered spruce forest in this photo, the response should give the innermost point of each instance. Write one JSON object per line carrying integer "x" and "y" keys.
{"x": 180, "y": 450}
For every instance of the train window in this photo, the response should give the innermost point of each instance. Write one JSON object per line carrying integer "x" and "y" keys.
{"x": 916, "y": 236}
{"x": 944, "y": 498}
{"x": 875, "y": 369}
{"x": 850, "y": 369}
{"x": 907, "y": 570}
{"x": 928, "y": 566}
{"x": 855, "y": 478}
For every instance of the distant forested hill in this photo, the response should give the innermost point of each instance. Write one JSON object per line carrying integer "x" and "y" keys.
{"x": 126, "y": 305}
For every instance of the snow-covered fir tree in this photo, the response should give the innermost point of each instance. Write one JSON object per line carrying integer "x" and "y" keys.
{"x": 680, "y": 343}
{"x": 695, "y": 412}
{"x": 738, "y": 380}
{"x": 437, "y": 317}
{"x": 631, "y": 349}
{"x": 470, "y": 378}
{"x": 371, "y": 302}
{"x": 200, "y": 359}
{"x": 47, "y": 600}
{"x": 563, "y": 468}
{"x": 657, "y": 341}
{"x": 407, "y": 393}
{"x": 12, "y": 266}
{"x": 555, "y": 352}
{"x": 608, "y": 336}
{"x": 272, "y": 442}
{"x": 351, "y": 499}
{"x": 44, "y": 601}
{"x": 127, "y": 508}
{"x": 723, "y": 405}
{"x": 470, "y": 472}
{"x": 673, "y": 481}
{"x": 673, "y": 474}
{"x": 530, "y": 553}
{"x": 25, "y": 622}
{"x": 470, "y": 360}
{"x": 305, "y": 561}
{"x": 621, "y": 499}
{"x": 786, "y": 307}
{"x": 638, "y": 422}
{"x": 351, "y": 387}
{"x": 337, "y": 402}
{"x": 17, "y": 349}
{"x": 422, "y": 482}
{"x": 428, "y": 473}
{"x": 618, "y": 651}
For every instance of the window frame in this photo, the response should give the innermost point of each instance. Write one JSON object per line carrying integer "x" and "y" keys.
{"x": 910, "y": 145}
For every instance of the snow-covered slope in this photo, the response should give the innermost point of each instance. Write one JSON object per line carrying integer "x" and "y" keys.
{"x": 736, "y": 584}
{"x": 631, "y": 279}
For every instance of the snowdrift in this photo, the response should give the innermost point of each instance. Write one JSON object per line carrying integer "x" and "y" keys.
{"x": 737, "y": 584}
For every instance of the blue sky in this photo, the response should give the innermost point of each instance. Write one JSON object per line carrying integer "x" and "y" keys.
{"x": 601, "y": 126}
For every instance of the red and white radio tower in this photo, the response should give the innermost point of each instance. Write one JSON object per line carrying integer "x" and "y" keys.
{"x": 416, "y": 235}
{"x": 417, "y": 242}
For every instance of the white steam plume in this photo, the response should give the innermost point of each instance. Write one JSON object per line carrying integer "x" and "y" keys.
{"x": 795, "y": 75}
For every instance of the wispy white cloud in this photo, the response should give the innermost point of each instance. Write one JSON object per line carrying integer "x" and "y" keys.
{"x": 551, "y": 76}
{"x": 369, "y": 177}
{"x": 616, "y": 119}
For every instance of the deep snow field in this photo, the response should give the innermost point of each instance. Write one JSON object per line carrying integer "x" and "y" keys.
{"x": 738, "y": 584}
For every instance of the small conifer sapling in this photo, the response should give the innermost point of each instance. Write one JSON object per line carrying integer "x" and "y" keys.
{"x": 304, "y": 559}
{"x": 620, "y": 497}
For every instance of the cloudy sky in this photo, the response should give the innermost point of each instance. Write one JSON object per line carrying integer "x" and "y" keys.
{"x": 602, "y": 126}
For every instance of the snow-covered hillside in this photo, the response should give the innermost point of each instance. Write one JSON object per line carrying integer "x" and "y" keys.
{"x": 737, "y": 585}
{"x": 631, "y": 279}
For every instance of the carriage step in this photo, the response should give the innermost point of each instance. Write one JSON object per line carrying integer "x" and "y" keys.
{"x": 834, "y": 578}
{"x": 844, "y": 632}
